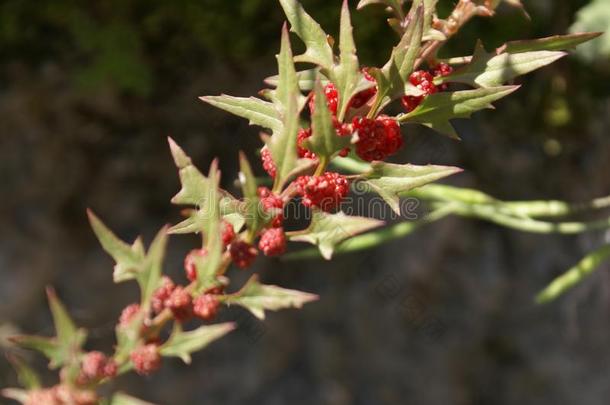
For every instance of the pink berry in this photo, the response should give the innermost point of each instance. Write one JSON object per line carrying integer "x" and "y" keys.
{"x": 128, "y": 314}
{"x": 423, "y": 81}
{"x": 325, "y": 192}
{"x": 268, "y": 163}
{"x": 242, "y": 253}
{"x": 228, "y": 233}
{"x": 301, "y": 150}
{"x": 378, "y": 138}
{"x": 441, "y": 70}
{"x": 206, "y": 307}
{"x": 273, "y": 242}
{"x": 180, "y": 303}
{"x": 190, "y": 266}
{"x": 146, "y": 359}
{"x": 332, "y": 99}
{"x": 92, "y": 365}
{"x": 161, "y": 294}
{"x": 270, "y": 201}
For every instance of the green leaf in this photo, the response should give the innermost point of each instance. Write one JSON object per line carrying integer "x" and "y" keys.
{"x": 128, "y": 259}
{"x": 318, "y": 51}
{"x": 49, "y": 347}
{"x": 150, "y": 275}
{"x": 257, "y": 111}
{"x": 195, "y": 186}
{"x": 258, "y": 298}
{"x": 28, "y": 378}
{"x": 395, "y": 5}
{"x": 554, "y": 43}
{"x": 69, "y": 338}
{"x": 487, "y": 69}
{"x": 183, "y": 344}
{"x": 256, "y": 216}
{"x": 595, "y": 16}
{"x": 324, "y": 141}
{"x": 437, "y": 109}
{"x": 283, "y": 144}
{"x": 390, "y": 180}
{"x": 328, "y": 230}
{"x": 123, "y": 399}
{"x": 575, "y": 275}
{"x": 346, "y": 74}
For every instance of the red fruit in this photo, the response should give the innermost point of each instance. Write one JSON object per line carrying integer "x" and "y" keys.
{"x": 228, "y": 233}
{"x": 273, "y": 242}
{"x": 325, "y": 192}
{"x": 92, "y": 365}
{"x": 242, "y": 253}
{"x": 332, "y": 99}
{"x": 161, "y": 294}
{"x": 110, "y": 369}
{"x": 146, "y": 359}
{"x": 364, "y": 96}
{"x": 268, "y": 163}
{"x": 189, "y": 261}
{"x": 440, "y": 70}
{"x": 423, "y": 81}
{"x": 128, "y": 314}
{"x": 377, "y": 139}
{"x": 180, "y": 303}
{"x": 206, "y": 307}
{"x": 270, "y": 201}
{"x": 301, "y": 150}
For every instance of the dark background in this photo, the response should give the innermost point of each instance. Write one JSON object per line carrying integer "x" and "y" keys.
{"x": 89, "y": 91}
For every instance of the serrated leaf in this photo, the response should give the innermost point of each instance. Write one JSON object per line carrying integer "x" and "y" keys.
{"x": 324, "y": 141}
{"x": 182, "y": 344}
{"x": 195, "y": 186}
{"x": 64, "y": 326}
{"x": 402, "y": 60}
{"x": 554, "y": 43}
{"x": 256, "y": 217}
{"x": 120, "y": 398}
{"x": 49, "y": 347}
{"x": 390, "y": 180}
{"x": 256, "y": 111}
{"x": 575, "y": 275}
{"x": 283, "y": 144}
{"x": 328, "y": 230}
{"x": 28, "y": 378}
{"x": 128, "y": 259}
{"x": 437, "y": 109}
{"x": 487, "y": 69}
{"x": 258, "y": 298}
{"x": 150, "y": 275}
{"x": 346, "y": 74}
{"x": 318, "y": 51}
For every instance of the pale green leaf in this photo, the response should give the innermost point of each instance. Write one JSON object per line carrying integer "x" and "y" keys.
{"x": 16, "y": 394}
{"x": 123, "y": 399}
{"x": 128, "y": 259}
{"x": 306, "y": 79}
{"x": 258, "y": 298}
{"x": 195, "y": 186}
{"x": 257, "y": 111}
{"x": 595, "y": 16}
{"x": 390, "y": 180}
{"x": 437, "y": 109}
{"x": 182, "y": 344}
{"x": 318, "y": 51}
{"x": 575, "y": 275}
{"x": 554, "y": 43}
{"x": 487, "y": 69}
{"x": 328, "y": 230}
{"x": 150, "y": 275}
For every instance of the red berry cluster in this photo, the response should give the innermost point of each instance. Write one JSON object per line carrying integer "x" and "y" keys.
{"x": 378, "y": 138}
{"x": 61, "y": 395}
{"x": 325, "y": 192}
{"x": 146, "y": 358}
{"x": 364, "y": 96}
{"x": 271, "y": 201}
{"x": 96, "y": 366}
{"x": 424, "y": 81}
{"x": 273, "y": 242}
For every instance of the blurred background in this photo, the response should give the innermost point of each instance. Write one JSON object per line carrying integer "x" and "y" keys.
{"x": 89, "y": 91}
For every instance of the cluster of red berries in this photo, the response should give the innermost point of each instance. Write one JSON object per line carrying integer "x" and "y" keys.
{"x": 61, "y": 395}
{"x": 324, "y": 192}
{"x": 146, "y": 358}
{"x": 179, "y": 300}
{"x": 424, "y": 81}
{"x": 96, "y": 366}
{"x": 377, "y": 138}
